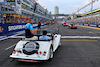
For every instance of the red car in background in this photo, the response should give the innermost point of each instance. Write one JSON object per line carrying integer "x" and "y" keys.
{"x": 65, "y": 24}
{"x": 73, "y": 26}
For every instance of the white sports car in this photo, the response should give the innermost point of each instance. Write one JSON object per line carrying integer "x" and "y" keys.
{"x": 37, "y": 50}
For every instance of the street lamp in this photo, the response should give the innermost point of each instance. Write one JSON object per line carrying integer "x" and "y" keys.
{"x": 91, "y": 11}
{"x": 83, "y": 7}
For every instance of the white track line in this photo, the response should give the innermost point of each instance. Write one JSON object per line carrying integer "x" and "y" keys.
{"x": 10, "y": 47}
{"x": 4, "y": 38}
{"x": 82, "y": 37}
{"x": 17, "y": 36}
{"x": 12, "y": 35}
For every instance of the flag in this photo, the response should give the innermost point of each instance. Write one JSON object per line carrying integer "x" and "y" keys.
{"x": 43, "y": 6}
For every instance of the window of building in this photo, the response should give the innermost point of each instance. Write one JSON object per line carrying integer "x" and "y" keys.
{"x": 27, "y": 2}
{"x": 10, "y": 0}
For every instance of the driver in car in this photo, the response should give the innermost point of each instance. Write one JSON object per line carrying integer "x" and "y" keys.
{"x": 71, "y": 24}
{"x": 29, "y": 31}
{"x": 44, "y": 36}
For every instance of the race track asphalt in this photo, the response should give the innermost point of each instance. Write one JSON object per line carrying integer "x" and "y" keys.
{"x": 74, "y": 52}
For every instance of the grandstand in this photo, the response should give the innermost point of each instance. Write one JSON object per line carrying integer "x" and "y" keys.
{"x": 86, "y": 17}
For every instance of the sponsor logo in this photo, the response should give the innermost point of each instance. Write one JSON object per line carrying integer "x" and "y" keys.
{"x": 86, "y": 24}
{"x": 16, "y": 27}
{"x": 93, "y": 25}
{"x": 98, "y": 25}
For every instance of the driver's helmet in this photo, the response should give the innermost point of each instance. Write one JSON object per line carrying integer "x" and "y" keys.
{"x": 71, "y": 23}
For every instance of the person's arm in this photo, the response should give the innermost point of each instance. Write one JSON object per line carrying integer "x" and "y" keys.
{"x": 33, "y": 31}
{"x": 37, "y": 22}
{"x": 1, "y": 18}
{"x": 40, "y": 22}
{"x": 30, "y": 27}
{"x": 40, "y": 38}
{"x": 50, "y": 37}
{"x": 2, "y": 29}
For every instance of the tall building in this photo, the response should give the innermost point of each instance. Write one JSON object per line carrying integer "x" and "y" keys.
{"x": 56, "y": 10}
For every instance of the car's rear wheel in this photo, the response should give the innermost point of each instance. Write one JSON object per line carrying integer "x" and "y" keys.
{"x": 60, "y": 44}
{"x": 51, "y": 53}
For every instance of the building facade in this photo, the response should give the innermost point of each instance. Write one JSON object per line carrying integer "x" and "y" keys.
{"x": 17, "y": 11}
{"x": 56, "y": 10}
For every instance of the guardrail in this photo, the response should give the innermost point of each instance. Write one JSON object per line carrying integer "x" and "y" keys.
{"x": 92, "y": 25}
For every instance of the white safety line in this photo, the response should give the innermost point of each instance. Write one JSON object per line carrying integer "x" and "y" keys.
{"x": 10, "y": 47}
{"x": 4, "y": 38}
{"x": 92, "y": 32}
{"x": 89, "y": 37}
{"x": 82, "y": 37}
{"x": 22, "y": 32}
{"x": 17, "y": 36}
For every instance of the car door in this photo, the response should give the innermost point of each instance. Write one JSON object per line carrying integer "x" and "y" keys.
{"x": 56, "y": 42}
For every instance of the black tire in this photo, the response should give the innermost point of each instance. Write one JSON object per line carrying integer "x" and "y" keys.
{"x": 51, "y": 53}
{"x": 33, "y": 50}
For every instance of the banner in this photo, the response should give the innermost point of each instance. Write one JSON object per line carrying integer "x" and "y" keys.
{"x": 14, "y": 27}
{"x": 93, "y": 25}
{"x": 1, "y": 29}
{"x": 11, "y": 27}
{"x": 86, "y": 24}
